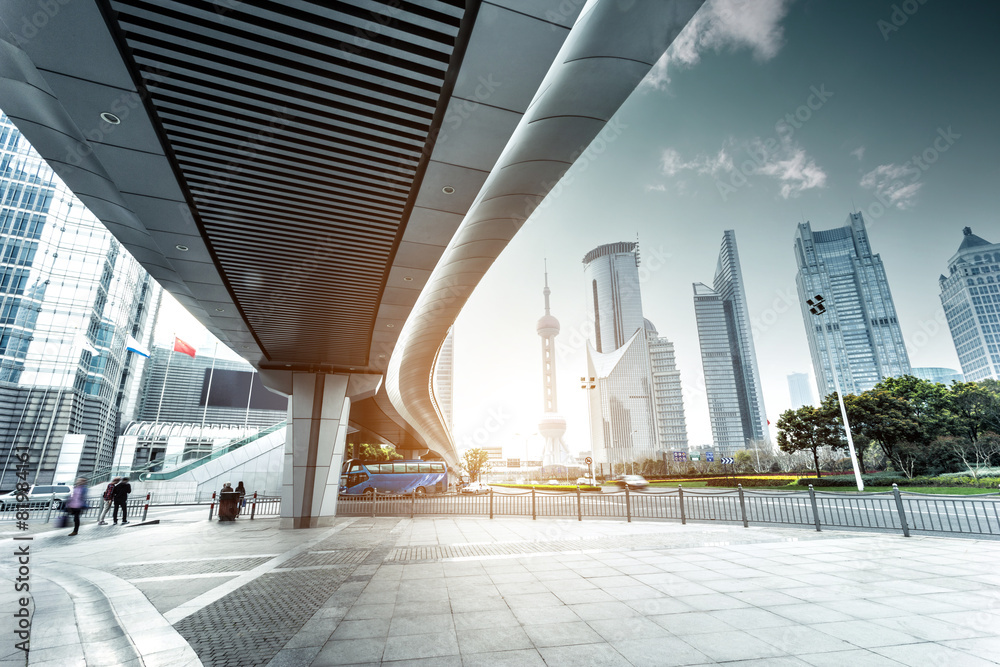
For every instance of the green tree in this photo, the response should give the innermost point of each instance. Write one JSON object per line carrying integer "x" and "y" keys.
{"x": 975, "y": 406}
{"x": 369, "y": 452}
{"x": 881, "y": 417}
{"x": 807, "y": 429}
{"x": 475, "y": 461}
{"x": 931, "y": 403}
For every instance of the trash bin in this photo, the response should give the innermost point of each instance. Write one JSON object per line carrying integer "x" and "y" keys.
{"x": 229, "y": 505}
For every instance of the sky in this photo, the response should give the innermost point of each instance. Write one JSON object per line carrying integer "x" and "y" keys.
{"x": 763, "y": 114}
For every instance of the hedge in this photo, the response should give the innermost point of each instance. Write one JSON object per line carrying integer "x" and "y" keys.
{"x": 748, "y": 482}
{"x": 886, "y": 480}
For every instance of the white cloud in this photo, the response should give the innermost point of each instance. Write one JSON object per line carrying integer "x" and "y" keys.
{"x": 724, "y": 24}
{"x": 887, "y": 182}
{"x": 781, "y": 159}
{"x": 859, "y": 153}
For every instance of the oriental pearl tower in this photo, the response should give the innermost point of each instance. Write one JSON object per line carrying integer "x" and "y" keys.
{"x": 552, "y": 425}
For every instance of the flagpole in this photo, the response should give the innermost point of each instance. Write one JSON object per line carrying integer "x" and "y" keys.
{"x": 246, "y": 418}
{"x": 201, "y": 433}
{"x": 170, "y": 356}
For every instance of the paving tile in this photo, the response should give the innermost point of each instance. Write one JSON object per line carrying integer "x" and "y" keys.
{"x": 562, "y": 634}
{"x": 519, "y": 658}
{"x": 660, "y": 652}
{"x": 853, "y": 658}
{"x": 622, "y": 629}
{"x": 920, "y": 655}
{"x": 593, "y": 611}
{"x": 865, "y": 634}
{"x": 361, "y": 629}
{"x": 429, "y": 645}
{"x": 735, "y": 646}
{"x": 363, "y": 611}
{"x": 545, "y": 615}
{"x": 419, "y": 625}
{"x": 583, "y": 655}
{"x": 493, "y": 639}
{"x": 477, "y": 620}
{"x": 350, "y": 651}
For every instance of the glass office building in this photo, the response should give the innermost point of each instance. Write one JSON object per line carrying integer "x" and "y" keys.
{"x": 970, "y": 294}
{"x": 668, "y": 396}
{"x": 860, "y": 320}
{"x": 70, "y": 296}
{"x": 732, "y": 381}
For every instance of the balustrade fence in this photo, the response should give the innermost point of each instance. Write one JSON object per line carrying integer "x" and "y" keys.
{"x": 895, "y": 510}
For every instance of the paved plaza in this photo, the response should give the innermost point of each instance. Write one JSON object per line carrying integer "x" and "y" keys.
{"x": 467, "y": 591}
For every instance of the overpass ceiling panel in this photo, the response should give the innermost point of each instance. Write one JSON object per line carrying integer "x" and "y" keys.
{"x": 596, "y": 84}
{"x": 136, "y": 171}
{"x": 466, "y": 183}
{"x": 395, "y": 296}
{"x": 431, "y": 227}
{"x": 162, "y": 214}
{"x": 135, "y": 131}
{"x": 407, "y": 278}
{"x": 473, "y": 134}
{"x": 418, "y": 256}
{"x": 506, "y": 73}
{"x": 70, "y": 52}
{"x": 559, "y": 12}
{"x": 528, "y": 178}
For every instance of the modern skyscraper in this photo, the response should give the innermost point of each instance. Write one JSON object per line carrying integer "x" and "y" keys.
{"x": 937, "y": 374}
{"x": 552, "y": 425}
{"x": 631, "y": 365}
{"x": 970, "y": 294}
{"x": 668, "y": 397}
{"x": 444, "y": 379}
{"x": 732, "y": 381}
{"x": 800, "y": 391}
{"x": 70, "y": 297}
{"x": 860, "y": 319}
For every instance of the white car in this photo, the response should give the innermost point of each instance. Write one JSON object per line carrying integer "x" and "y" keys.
{"x": 39, "y": 496}
{"x": 633, "y": 482}
{"x": 586, "y": 481}
{"x": 475, "y": 488}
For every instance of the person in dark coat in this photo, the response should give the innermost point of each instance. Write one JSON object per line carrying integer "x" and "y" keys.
{"x": 240, "y": 489}
{"x": 77, "y": 502}
{"x": 120, "y": 499}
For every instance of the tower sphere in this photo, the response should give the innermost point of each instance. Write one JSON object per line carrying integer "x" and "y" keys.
{"x": 547, "y": 326}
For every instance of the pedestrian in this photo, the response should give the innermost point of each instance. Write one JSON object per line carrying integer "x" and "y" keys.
{"x": 240, "y": 489}
{"x": 77, "y": 502}
{"x": 106, "y": 498}
{"x": 120, "y": 498}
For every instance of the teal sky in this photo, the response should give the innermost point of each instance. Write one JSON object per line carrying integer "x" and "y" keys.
{"x": 889, "y": 95}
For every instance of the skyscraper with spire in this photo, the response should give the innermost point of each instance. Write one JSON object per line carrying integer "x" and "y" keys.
{"x": 552, "y": 425}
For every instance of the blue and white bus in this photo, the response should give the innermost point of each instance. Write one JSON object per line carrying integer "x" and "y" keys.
{"x": 402, "y": 477}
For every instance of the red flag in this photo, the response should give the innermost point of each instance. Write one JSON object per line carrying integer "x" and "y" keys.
{"x": 181, "y": 346}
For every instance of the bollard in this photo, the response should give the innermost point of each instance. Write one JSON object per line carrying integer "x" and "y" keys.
{"x": 899, "y": 508}
{"x": 628, "y": 505}
{"x": 491, "y": 502}
{"x": 680, "y": 496}
{"x": 145, "y": 508}
{"x": 533, "y": 503}
{"x": 48, "y": 512}
{"x": 253, "y": 506}
{"x": 211, "y": 508}
{"x": 743, "y": 506}
{"x": 812, "y": 497}
{"x": 579, "y": 506}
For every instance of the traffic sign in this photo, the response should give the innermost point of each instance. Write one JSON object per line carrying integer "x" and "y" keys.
{"x": 696, "y": 457}
{"x": 728, "y": 460}
{"x": 710, "y": 457}
{"x": 680, "y": 456}
{"x": 589, "y": 460}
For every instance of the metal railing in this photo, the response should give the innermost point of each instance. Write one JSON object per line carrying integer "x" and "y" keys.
{"x": 893, "y": 510}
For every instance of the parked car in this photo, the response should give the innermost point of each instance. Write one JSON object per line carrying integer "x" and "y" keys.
{"x": 475, "y": 488}
{"x": 39, "y": 495}
{"x": 633, "y": 482}
{"x": 554, "y": 482}
{"x": 586, "y": 481}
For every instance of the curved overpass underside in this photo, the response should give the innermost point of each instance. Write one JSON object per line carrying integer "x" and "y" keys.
{"x": 323, "y": 184}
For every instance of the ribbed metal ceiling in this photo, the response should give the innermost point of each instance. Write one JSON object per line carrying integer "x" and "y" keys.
{"x": 298, "y": 130}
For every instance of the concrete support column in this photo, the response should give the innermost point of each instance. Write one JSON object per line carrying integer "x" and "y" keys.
{"x": 314, "y": 449}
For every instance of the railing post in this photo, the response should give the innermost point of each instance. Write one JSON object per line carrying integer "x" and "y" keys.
{"x": 533, "y": 515}
{"x": 145, "y": 508}
{"x": 413, "y": 501}
{"x": 812, "y": 499}
{"x": 211, "y": 508}
{"x": 491, "y": 502}
{"x": 253, "y": 506}
{"x": 628, "y": 505}
{"x": 743, "y": 506}
{"x": 579, "y": 507}
{"x": 899, "y": 508}
{"x": 374, "y": 496}
{"x": 680, "y": 499}
{"x": 48, "y": 512}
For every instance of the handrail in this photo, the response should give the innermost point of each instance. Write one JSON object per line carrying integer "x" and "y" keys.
{"x": 222, "y": 451}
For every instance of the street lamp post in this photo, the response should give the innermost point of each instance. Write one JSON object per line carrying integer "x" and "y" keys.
{"x": 817, "y": 308}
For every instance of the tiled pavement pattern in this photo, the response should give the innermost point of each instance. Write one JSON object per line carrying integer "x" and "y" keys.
{"x": 218, "y": 566}
{"x": 464, "y": 591}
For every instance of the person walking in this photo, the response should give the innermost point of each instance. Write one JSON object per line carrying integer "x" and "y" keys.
{"x": 120, "y": 498}
{"x": 77, "y": 502}
{"x": 106, "y": 498}
{"x": 240, "y": 489}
